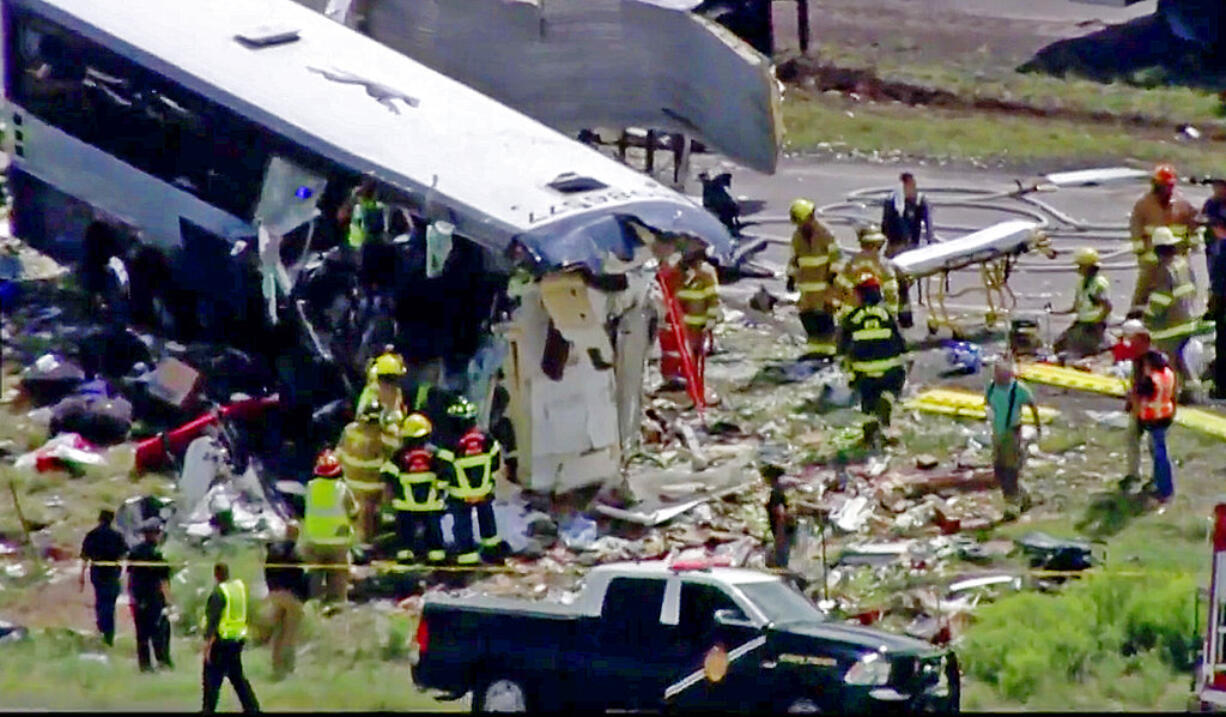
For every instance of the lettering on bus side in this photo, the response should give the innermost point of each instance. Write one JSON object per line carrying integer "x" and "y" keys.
{"x": 589, "y": 201}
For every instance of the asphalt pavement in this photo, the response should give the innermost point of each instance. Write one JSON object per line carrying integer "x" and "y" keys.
{"x": 959, "y": 208}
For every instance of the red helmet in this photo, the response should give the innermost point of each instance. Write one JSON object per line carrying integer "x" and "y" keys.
{"x": 868, "y": 281}
{"x": 1165, "y": 174}
{"x": 327, "y": 465}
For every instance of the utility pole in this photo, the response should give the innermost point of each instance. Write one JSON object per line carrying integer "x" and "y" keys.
{"x": 802, "y": 24}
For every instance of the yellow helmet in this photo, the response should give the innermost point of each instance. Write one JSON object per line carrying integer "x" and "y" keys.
{"x": 389, "y": 364}
{"x": 416, "y": 426}
{"x": 1086, "y": 256}
{"x": 801, "y": 210}
{"x": 870, "y": 236}
{"x": 1163, "y": 236}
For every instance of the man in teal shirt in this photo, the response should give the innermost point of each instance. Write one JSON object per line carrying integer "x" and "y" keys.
{"x": 1005, "y": 397}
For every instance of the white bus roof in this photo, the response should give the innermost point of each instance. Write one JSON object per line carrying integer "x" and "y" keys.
{"x": 488, "y": 164}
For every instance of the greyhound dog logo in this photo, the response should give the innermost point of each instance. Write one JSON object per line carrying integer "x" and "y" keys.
{"x": 383, "y": 94}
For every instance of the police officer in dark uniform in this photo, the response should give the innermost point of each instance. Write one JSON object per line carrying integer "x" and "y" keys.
{"x": 906, "y": 220}
{"x": 149, "y": 588}
{"x": 104, "y": 544}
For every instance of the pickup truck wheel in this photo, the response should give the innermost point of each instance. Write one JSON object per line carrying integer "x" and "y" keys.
{"x": 803, "y": 705}
{"x": 501, "y": 695}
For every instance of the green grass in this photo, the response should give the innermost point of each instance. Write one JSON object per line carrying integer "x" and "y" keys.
{"x": 357, "y": 660}
{"x": 1119, "y": 640}
{"x": 48, "y": 672}
{"x": 927, "y": 132}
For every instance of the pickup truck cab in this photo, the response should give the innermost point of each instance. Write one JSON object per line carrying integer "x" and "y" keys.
{"x": 656, "y": 636}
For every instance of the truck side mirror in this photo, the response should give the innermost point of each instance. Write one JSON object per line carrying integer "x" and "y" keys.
{"x": 732, "y": 618}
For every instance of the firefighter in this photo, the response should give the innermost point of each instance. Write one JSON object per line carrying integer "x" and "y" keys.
{"x": 874, "y": 350}
{"x": 327, "y": 532}
{"x": 869, "y": 260}
{"x": 811, "y": 271}
{"x": 363, "y": 215}
{"x": 1168, "y": 313}
{"x": 364, "y": 446}
{"x": 383, "y": 378}
{"x": 478, "y": 456}
{"x": 417, "y": 477}
{"x": 1162, "y": 206}
{"x": 671, "y": 366}
{"x": 1092, "y": 307}
{"x": 698, "y": 298}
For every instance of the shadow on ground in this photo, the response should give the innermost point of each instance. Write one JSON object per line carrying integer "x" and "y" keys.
{"x": 1109, "y": 513}
{"x": 1143, "y": 52}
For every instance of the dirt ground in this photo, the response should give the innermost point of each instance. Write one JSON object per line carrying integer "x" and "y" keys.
{"x": 998, "y": 32}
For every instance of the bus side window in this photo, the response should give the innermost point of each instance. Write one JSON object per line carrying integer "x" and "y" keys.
{"x": 137, "y": 115}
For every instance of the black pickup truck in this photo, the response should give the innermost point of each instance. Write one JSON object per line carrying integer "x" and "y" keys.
{"x": 650, "y": 636}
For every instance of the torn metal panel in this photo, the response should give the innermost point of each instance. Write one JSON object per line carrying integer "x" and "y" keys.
{"x": 598, "y": 63}
{"x": 567, "y": 430}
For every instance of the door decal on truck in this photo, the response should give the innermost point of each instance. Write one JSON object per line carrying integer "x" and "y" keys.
{"x": 700, "y": 674}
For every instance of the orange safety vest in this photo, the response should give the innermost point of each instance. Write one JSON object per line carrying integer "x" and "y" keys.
{"x": 1161, "y": 405}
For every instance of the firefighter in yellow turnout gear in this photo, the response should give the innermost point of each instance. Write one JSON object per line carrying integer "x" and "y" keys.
{"x": 869, "y": 261}
{"x": 477, "y": 459}
{"x": 364, "y": 446}
{"x": 383, "y": 378}
{"x": 1169, "y": 313}
{"x": 811, "y": 271}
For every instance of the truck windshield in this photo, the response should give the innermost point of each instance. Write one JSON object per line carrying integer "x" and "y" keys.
{"x": 781, "y": 602}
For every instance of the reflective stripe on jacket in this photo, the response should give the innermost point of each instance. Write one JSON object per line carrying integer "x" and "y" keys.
{"x": 1169, "y": 311}
{"x": 477, "y": 457}
{"x": 1161, "y": 405}
{"x": 869, "y": 262}
{"x": 813, "y": 266}
{"x": 699, "y": 298}
{"x": 233, "y": 623}
{"x": 872, "y": 341}
{"x": 362, "y": 450}
{"x": 326, "y": 522}
{"x": 1148, "y": 213}
{"x": 417, "y": 473}
{"x": 1092, "y": 288}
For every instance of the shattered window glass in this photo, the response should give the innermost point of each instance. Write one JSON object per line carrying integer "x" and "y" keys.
{"x": 137, "y": 115}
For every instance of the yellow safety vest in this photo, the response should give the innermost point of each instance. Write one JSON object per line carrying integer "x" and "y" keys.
{"x": 357, "y": 223}
{"x": 233, "y": 623}
{"x": 464, "y": 487}
{"x": 326, "y": 522}
{"x": 1087, "y": 311}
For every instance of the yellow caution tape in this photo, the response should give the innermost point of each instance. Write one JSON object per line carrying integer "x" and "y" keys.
{"x": 965, "y": 404}
{"x": 1072, "y": 378}
{"x": 381, "y": 565}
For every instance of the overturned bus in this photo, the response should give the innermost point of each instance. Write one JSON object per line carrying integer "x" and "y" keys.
{"x": 200, "y": 158}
